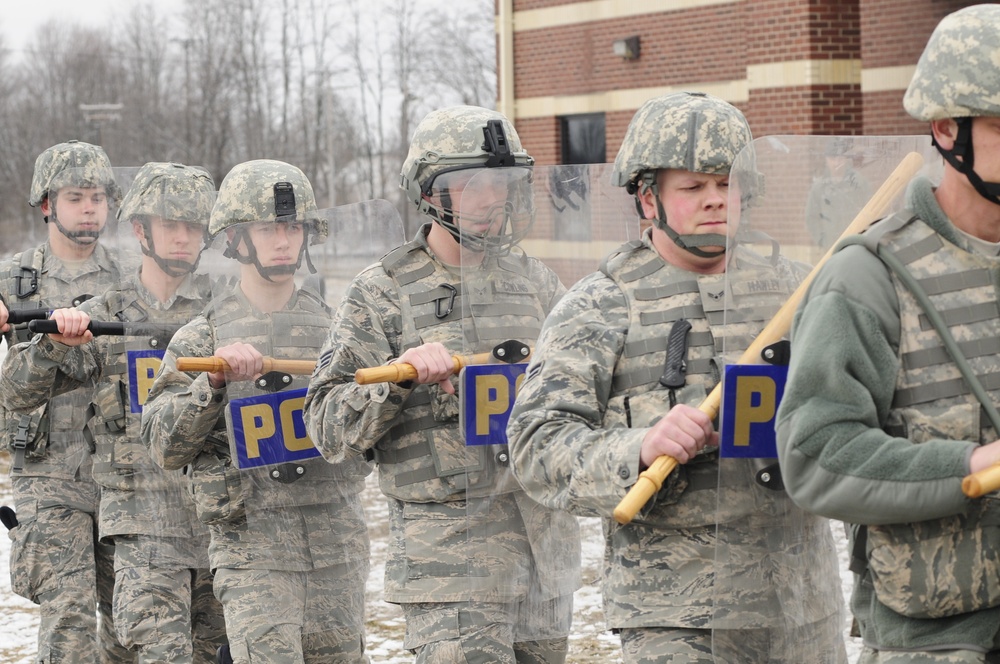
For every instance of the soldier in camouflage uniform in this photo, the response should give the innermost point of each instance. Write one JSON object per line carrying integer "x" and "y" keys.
{"x": 57, "y": 559}
{"x": 836, "y": 196}
{"x": 289, "y": 549}
{"x": 163, "y": 592}
{"x": 880, "y": 420}
{"x": 471, "y": 556}
{"x": 593, "y": 410}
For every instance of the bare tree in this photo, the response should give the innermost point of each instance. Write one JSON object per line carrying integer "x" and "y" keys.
{"x": 334, "y": 86}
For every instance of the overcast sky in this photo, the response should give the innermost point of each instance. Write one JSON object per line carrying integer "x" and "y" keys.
{"x": 19, "y": 19}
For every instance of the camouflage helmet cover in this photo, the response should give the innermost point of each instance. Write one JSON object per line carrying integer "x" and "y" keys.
{"x": 688, "y": 131}
{"x": 170, "y": 191}
{"x": 72, "y": 164}
{"x": 266, "y": 190}
{"x": 451, "y": 137}
{"x": 958, "y": 74}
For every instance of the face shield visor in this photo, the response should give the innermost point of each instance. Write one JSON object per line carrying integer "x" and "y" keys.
{"x": 487, "y": 210}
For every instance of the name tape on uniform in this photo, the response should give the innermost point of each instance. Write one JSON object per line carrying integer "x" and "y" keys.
{"x": 269, "y": 429}
{"x": 487, "y": 397}
{"x": 750, "y": 397}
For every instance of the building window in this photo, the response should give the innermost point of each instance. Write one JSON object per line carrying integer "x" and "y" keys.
{"x": 583, "y": 139}
{"x": 570, "y": 182}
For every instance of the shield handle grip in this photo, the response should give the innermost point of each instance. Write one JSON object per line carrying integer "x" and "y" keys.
{"x": 877, "y": 206}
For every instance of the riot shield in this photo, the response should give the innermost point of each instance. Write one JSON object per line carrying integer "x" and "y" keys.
{"x": 526, "y": 235}
{"x": 161, "y": 238}
{"x": 305, "y": 511}
{"x": 777, "y": 588}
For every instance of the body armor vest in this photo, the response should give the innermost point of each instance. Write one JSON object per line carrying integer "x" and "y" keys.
{"x": 722, "y": 326}
{"x": 295, "y": 333}
{"x": 55, "y": 429}
{"x": 119, "y": 453}
{"x": 933, "y": 401}
{"x": 423, "y": 458}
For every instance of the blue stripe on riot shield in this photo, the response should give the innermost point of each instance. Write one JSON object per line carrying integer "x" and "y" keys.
{"x": 143, "y": 365}
{"x": 750, "y": 397}
{"x": 268, "y": 429}
{"x": 487, "y": 396}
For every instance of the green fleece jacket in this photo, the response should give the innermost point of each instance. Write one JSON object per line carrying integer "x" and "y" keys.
{"x": 837, "y": 461}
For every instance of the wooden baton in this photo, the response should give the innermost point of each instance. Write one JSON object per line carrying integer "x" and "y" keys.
{"x": 651, "y": 479}
{"x": 217, "y": 364}
{"x": 402, "y": 372}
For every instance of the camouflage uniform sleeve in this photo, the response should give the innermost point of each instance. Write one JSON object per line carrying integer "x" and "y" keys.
{"x": 36, "y": 370}
{"x": 182, "y": 408}
{"x": 561, "y": 452}
{"x": 551, "y": 285}
{"x": 342, "y": 417}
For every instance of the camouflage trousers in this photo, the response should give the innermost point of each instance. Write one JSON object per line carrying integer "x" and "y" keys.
{"x": 294, "y": 617}
{"x": 871, "y": 656}
{"x": 57, "y": 561}
{"x": 652, "y": 645}
{"x": 165, "y": 610}
{"x": 488, "y": 633}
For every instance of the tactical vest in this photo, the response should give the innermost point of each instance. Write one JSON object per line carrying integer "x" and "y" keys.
{"x": 911, "y": 564}
{"x": 119, "y": 453}
{"x": 423, "y": 457}
{"x": 658, "y": 295}
{"x": 291, "y": 334}
{"x": 55, "y": 429}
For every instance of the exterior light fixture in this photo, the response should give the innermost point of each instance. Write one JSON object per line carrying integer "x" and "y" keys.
{"x": 627, "y": 48}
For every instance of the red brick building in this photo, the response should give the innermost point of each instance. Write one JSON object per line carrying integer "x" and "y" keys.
{"x": 792, "y": 66}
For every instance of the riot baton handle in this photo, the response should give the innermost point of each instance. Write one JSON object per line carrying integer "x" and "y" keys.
{"x": 112, "y": 328}
{"x": 217, "y": 364}
{"x": 982, "y": 482}
{"x": 16, "y": 316}
{"x": 402, "y": 372}
{"x": 651, "y": 479}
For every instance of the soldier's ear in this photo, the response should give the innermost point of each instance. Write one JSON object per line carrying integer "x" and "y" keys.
{"x": 945, "y": 132}
{"x": 647, "y": 200}
{"x": 46, "y": 207}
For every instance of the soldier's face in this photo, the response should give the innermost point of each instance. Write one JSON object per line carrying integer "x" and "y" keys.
{"x": 176, "y": 240}
{"x": 277, "y": 243}
{"x": 695, "y": 203}
{"x": 79, "y": 210}
{"x": 486, "y": 201}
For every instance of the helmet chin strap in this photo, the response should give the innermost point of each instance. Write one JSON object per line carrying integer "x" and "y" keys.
{"x": 172, "y": 267}
{"x": 251, "y": 258}
{"x": 82, "y": 238}
{"x": 689, "y": 243}
{"x": 963, "y": 148}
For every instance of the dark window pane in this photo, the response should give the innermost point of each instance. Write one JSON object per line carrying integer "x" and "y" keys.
{"x": 583, "y": 139}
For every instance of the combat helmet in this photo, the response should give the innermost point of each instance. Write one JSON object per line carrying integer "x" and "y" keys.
{"x": 447, "y": 145}
{"x": 265, "y": 190}
{"x": 72, "y": 164}
{"x": 689, "y": 131}
{"x": 173, "y": 192}
{"x": 958, "y": 77}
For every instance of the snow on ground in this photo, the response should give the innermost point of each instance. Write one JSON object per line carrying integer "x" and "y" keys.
{"x": 590, "y": 642}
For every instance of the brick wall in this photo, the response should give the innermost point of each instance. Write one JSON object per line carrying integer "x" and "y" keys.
{"x": 722, "y": 43}
{"x": 675, "y": 47}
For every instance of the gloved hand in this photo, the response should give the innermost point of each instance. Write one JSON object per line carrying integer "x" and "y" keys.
{"x": 8, "y": 518}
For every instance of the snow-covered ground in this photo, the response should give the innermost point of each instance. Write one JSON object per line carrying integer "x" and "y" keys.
{"x": 590, "y": 642}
